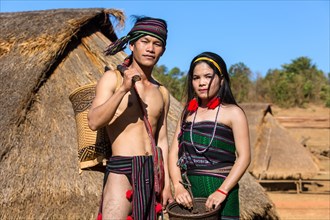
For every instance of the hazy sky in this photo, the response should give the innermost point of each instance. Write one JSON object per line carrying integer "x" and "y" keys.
{"x": 262, "y": 34}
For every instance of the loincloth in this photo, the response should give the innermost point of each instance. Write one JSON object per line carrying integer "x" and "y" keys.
{"x": 139, "y": 171}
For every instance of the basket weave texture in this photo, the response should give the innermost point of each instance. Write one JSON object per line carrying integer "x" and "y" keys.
{"x": 94, "y": 147}
{"x": 178, "y": 212}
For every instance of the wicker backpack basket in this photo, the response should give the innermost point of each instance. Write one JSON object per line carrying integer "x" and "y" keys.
{"x": 94, "y": 147}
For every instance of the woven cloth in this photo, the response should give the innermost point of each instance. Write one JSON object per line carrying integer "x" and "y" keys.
{"x": 139, "y": 170}
{"x": 207, "y": 171}
{"x": 148, "y": 26}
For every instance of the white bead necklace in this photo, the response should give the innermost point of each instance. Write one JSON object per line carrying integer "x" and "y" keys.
{"x": 214, "y": 129}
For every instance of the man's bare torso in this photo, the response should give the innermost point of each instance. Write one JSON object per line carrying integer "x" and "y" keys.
{"x": 127, "y": 130}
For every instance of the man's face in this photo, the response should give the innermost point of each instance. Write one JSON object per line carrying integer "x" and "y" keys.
{"x": 147, "y": 50}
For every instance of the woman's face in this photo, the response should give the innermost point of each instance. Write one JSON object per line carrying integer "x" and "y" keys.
{"x": 205, "y": 83}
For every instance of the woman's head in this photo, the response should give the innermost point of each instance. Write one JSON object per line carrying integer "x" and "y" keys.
{"x": 208, "y": 77}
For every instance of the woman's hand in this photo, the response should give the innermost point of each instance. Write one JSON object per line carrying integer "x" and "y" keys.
{"x": 182, "y": 196}
{"x": 167, "y": 196}
{"x": 214, "y": 200}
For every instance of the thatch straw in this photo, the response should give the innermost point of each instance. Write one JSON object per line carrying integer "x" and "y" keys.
{"x": 252, "y": 206}
{"x": 39, "y": 159}
{"x": 6, "y": 45}
{"x": 275, "y": 154}
{"x": 255, "y": 113}
{"x": 41, "y": 65}
{"x": 279, "y": 156}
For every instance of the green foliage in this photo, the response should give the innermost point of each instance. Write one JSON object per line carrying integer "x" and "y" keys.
{"x": 325, "y": 94}
{"x": 240, "y": 83}
{"x": 296, "y": 84}
{"x": 174, "y": 80}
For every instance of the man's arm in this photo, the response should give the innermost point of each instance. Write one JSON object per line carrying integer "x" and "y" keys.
{"x": 106, "y": 101}
{"x": 163, "y": 144}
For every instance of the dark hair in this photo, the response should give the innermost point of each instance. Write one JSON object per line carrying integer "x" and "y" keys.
{"x": 225, "y": 93}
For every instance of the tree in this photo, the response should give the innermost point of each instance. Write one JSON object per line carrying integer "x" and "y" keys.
{"x": 174, "y": 80}
{"x": 240, "y": 81}
{"x": 297, "y": 83}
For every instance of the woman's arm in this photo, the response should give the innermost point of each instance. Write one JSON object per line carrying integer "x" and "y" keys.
{"x": 242, "y": 142}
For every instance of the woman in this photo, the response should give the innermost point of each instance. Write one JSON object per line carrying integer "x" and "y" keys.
{"x": 212, "y": 148}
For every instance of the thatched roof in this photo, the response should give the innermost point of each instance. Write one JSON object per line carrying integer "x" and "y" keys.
{"x": 275, "y": 154}
{"x": 254, "y": 201}
{"x": 44, "y": 56}
{"x": 255, "y": 113}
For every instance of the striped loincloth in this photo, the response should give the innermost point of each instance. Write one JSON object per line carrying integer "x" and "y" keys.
{"x": 139, "y": 171}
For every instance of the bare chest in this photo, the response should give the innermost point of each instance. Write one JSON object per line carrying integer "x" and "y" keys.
{"x": 151, "y": 102}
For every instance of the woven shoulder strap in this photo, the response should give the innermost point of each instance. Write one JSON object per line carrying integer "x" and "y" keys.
{"x": 164, "y": 93}
{"x": 119, "y": 79}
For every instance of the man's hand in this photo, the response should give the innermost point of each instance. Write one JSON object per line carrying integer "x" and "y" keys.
{"x": 130, "y": 76}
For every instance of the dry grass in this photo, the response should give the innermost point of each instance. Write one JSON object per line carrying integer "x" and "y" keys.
{"x": 316, "y": 139}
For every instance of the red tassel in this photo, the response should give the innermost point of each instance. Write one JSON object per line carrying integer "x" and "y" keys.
{"x": 99, "y": 216}
{"x": 213, "y": 103}
{"x": 193, "y": 105}
{"x": 159, "y": 208}
{"x": 129, "y": 194}
{"x": 129, "y": 218}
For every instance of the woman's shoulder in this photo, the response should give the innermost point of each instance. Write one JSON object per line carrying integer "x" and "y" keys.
{"x": 232, "y": 108}
{"x": 233, "y": 111}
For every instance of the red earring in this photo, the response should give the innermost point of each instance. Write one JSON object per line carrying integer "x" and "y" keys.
{"x": 193, "y": 105}
{"x": 213, "y": 103}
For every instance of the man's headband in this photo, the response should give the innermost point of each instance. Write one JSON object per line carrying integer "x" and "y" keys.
{"x": 212, "y": 61}
{"x": 153, "y": 27}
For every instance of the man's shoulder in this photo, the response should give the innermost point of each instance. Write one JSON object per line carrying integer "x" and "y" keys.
{"x": 165, "y": 94}
{"x": 113, "y": 77}
{"x": 112, "y": 73}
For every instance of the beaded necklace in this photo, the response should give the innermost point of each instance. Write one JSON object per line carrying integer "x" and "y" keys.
{"x": 213, "y": 134}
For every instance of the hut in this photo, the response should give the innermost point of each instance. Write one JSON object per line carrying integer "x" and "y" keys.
{"x": 44, "y": 56}
{"x": 276, "y": 155}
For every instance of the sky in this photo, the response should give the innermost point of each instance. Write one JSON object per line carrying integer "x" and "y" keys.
{"x": 261, "y": 34}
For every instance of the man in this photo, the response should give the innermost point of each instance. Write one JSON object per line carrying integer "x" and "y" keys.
{"x": 131, "y": 165}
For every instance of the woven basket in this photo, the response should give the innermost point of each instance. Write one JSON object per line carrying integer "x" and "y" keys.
{"x": 178, "y": 212}
{"x": 94, "y": 147}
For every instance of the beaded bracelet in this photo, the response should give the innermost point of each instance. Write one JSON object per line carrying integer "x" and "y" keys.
{"x": 222, "y": 192}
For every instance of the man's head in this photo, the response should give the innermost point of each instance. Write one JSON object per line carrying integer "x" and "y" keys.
{"x": 154, "y": 27}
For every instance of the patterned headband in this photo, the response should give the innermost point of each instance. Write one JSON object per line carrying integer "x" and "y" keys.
{"x": 212, "y": 61}
{"x": 152, "y": 27}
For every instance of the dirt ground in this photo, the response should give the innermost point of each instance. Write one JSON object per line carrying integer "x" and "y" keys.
{"x": 303, "y": 206}
{"x": 314, "y": 202}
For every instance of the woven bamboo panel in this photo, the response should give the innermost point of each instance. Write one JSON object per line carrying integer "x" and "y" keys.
{"x": 93, "y": 146}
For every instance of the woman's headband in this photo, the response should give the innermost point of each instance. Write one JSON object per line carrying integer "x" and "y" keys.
{"x": 212, "y": 61}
